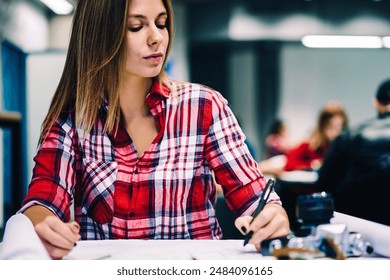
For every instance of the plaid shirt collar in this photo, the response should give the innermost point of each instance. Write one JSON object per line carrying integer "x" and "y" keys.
{"x": 156, "y": 93}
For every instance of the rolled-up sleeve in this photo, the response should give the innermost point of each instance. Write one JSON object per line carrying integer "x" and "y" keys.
{"x": 54, "y": 178}
{"x": 234, "y": 167}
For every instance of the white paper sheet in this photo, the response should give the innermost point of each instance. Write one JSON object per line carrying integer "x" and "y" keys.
{"x": 165, "y": 250}
{"x": 20, "y": 241}
{"x": 377, "y": 234}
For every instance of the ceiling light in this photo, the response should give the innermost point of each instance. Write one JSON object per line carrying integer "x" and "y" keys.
{"x": 60, "y": 7}
{"x": 386, "y": 41}
{"x": 327, "y": 41}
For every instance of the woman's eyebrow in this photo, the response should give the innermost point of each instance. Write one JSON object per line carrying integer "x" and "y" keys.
{"x": 138, "y": 16}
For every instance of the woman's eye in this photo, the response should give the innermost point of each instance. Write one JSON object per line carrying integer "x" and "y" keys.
{"x": 161, "y": 25}
{"x": 135, "y": 28}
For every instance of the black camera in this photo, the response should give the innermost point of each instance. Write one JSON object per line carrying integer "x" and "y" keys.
{"x": 317, "y": 237}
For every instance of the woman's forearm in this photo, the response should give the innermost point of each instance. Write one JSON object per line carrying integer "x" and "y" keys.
{"x": 37, "y": 213}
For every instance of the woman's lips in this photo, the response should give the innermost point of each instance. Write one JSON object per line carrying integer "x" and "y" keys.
{"x": 155, "y": 58}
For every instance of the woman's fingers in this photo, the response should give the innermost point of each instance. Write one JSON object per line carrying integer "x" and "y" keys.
{"x": 75, "y": 227}
{"x": 242, "y": 224}
{"x": 59, "y": 238}
{"x": 55, "y": 252}
{"x": 271, "y": 222}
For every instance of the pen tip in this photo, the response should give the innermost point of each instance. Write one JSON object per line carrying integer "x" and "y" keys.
{"x": 248, "y": 237}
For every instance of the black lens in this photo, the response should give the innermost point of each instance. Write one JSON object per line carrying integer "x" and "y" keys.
{"x": 314, "y": 209}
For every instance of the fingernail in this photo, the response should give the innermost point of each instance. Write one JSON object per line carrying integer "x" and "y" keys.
{"x": 243, "y": 229}
{"x": 75, "y": 244}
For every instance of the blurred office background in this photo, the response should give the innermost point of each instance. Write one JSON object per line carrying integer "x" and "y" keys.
{"x": 249, "y": 50}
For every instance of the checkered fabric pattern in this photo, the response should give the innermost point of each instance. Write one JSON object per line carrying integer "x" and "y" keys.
{"x": 168, "y": 192}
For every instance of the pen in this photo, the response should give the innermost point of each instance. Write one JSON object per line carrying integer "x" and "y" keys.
{"x": 262, "y": 202}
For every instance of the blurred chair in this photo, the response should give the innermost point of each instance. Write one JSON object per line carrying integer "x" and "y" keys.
{"x": 291, "y": 184}
{"x": 226, "y": 219}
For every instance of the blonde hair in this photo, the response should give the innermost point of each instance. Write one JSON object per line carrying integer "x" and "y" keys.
{"x": 95, "y": 59}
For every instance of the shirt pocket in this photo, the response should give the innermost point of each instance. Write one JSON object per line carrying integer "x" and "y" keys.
{"x": 98, "y": 190}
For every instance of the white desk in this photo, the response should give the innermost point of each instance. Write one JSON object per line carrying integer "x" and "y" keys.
{"x": 21, "y": 242}
{"x": 299, "y": 176}
{"x": 165, "y": 250}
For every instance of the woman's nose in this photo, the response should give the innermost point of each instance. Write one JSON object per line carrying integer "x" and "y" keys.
{"x": 155, "y": 36}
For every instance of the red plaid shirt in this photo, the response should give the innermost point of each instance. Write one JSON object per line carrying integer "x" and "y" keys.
{"x": 168, "y": 193}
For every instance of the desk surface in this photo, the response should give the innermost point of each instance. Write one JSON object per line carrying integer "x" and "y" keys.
{"x": 299, "y": 176}
{"x": 165, "y": 250}
{"x": 21, "y": 242}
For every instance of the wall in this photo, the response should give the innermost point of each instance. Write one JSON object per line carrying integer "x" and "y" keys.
{"x": 44, "y": 71}
{"x": 28, "y": 27}
{"x": 178, "y": 52}
{"x": 242, "y": 91}
{"x": 310, "y": 77}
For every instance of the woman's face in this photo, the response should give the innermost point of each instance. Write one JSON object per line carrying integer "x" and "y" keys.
{"x": 147, "y": 38}
{"x": 334, "y": 128}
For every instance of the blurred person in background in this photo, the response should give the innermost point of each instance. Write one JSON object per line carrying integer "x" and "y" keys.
{"x": 308, "y": 155}
{"x": 356, "y": 170}
{"x": 276, "y": 141}
{"x": 276, "y": 146}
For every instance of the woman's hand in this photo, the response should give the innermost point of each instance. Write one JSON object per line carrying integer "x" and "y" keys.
{"x": 272, "y": 222}
{"x": 58, "y": 237}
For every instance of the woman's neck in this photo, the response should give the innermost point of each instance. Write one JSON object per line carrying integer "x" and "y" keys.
{"x": 132, "y": 97}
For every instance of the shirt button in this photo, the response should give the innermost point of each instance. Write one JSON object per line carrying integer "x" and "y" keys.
{"x": 132, "y": 214}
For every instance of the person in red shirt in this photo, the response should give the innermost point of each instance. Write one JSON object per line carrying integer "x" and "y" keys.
{"x": 309, "y": 154}
{"x": 133, "y": 150}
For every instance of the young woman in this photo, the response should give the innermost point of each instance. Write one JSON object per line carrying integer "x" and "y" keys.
{"x": 134, "y": 151}
{"x": 309, "y": 154}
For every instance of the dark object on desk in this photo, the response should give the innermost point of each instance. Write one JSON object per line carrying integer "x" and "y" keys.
{"x": 315, "y": 209}
{"x": 289, "y": 191}
{"x": 317, "y": 237}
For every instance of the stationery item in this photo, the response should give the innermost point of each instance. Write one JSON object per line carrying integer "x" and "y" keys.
{"x": 378, "y": 235}
{"x": 262, "y": 202}
{"x": 21, "y": 242}
{"x": 178, "y": 249}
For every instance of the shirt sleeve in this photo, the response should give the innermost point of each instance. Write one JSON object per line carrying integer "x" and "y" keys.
{"x": 53, "y": 178}
{"x": 228, "y": 156}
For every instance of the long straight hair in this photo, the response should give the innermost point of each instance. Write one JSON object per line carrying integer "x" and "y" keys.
{"x": 94, "y": 63}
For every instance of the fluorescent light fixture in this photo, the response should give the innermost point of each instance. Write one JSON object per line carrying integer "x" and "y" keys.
{"x": 60, "y": 7}
{"x": 386, "y": 41}
{"x": 328, "y": 41}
